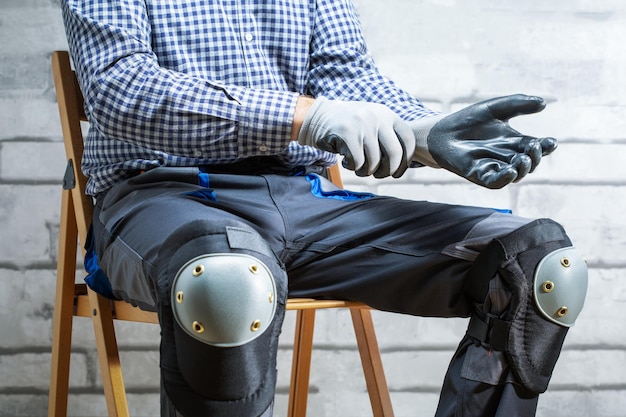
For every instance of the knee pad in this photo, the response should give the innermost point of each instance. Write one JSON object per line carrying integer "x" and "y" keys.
{"x": 224, "y": 299}
{"x": 547, "y": 282}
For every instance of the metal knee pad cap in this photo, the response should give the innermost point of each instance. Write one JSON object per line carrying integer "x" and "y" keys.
{"x": 560, "y": 286}
{"x": 224, "y": 299}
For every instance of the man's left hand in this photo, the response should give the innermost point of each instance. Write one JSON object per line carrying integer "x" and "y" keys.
{"x": 478, "y": 143}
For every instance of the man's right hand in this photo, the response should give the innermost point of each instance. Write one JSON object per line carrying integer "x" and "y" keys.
{"x": 370, "y": 136}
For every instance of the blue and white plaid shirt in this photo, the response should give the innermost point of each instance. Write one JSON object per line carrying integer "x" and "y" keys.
{"x": 196, "y": 82}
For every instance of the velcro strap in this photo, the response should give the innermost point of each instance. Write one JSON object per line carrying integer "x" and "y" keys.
{"x": 491, "y": 331}
{"x": 507, "y": 247}
{"x": 245, "y": 239}
{"x": 532, "y": 235}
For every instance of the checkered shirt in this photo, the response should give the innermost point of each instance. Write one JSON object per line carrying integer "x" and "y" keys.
{"x": 196, "y": 82}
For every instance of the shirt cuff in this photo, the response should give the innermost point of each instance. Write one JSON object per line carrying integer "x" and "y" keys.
{"x": 265, "y": 119}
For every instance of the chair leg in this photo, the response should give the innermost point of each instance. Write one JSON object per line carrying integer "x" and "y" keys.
{"x": 372, "y": 362}
{"x": 63, "y": 310}
{"x": 301, "y": 363}
{"x": 108, "y": 355}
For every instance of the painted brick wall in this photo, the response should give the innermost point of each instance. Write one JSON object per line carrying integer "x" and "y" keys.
{"x": 448, "y": 52}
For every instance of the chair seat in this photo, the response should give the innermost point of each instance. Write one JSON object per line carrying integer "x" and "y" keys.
{"x": 124, "y": 311}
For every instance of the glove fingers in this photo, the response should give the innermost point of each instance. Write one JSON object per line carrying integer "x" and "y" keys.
{"x": 396, "y": 146}
{"x": 366, "y": 158}
{"x": 384, "y": 166}
{"x": 523, "y": 153}
{"x": 404, "y": 165}
{"x": 548, "y": 145}
{"x": 493, "y": 174}
{"x": 395, "y": 167}
{"x": 522, "y": 164}
{"x": 363, "y": 171}
{"x": 334, "y": 144}
{"x": 505, "y": 108}
{"x": 534, "y": 152}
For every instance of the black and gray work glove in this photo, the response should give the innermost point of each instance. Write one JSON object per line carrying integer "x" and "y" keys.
{"x": 477, "y": 142}
{"x": 370, "y": 136}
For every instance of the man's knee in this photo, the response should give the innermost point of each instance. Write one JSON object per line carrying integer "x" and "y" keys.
{"x": 546, "y": 280}
{"x": 222, "y": 296}
{"x": 202, "y": 237}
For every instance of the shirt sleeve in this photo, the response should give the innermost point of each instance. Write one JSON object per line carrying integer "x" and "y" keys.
{"x": 129, "y": 97}
{"x": 343, "y": 69}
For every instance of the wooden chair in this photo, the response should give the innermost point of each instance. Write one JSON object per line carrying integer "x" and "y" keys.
{"x": 74, "y": 299}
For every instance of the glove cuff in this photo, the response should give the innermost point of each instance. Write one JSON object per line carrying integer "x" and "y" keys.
{"x": 421, "y": 129}
{"x": 306, "y": 136}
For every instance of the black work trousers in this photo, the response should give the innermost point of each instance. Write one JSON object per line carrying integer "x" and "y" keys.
{"x": 392, "y": 254}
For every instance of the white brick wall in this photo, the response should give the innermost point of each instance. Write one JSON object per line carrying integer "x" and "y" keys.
{"x": 448, "y": 52}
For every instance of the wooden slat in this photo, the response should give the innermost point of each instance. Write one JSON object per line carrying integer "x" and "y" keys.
{"x": 62, "y": 327}
{"x": 301, "y": 363}
{"x": 108, "y": 356}
{"x": 71, "y": 113}
{"x": 372, "y": 363}
{"x": 334, "y": 175}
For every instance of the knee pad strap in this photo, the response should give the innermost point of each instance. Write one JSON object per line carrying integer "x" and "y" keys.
{"x": 533, "y": 234}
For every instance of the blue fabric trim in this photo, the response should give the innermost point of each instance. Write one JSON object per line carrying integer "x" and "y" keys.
{"x": 96, "y": 279}
{"x": 203, "y": 179}
{"x": 207, "y": 194}
{"x": 338, "y": 194}
{"x": 505, "y": 211}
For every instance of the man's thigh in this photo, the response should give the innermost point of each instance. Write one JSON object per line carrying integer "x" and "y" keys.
{"x": 133, "y": 222}
{"x": 393, "y": 254}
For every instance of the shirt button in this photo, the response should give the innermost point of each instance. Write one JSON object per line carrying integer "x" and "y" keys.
{"x": 249, "y": 37}
{"x": 197, "y": 153}
{"x": 263, "y": 148}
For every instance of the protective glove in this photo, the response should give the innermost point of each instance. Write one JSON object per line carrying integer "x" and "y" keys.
{"x": 370, "y": 136}
{"x": 478, "y": 143}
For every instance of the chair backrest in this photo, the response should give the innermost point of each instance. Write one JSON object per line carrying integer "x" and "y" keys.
{"x": 71, "y": 111}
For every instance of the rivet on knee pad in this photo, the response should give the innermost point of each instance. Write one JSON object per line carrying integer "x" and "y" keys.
{"x": 197, "y": 327}
{"x": 547, "y": 286}
{"x": 198, "y": 270}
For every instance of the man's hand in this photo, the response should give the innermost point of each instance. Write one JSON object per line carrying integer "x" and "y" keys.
{"x": 478, "y": 143}
{"x": 371, "y": 137}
